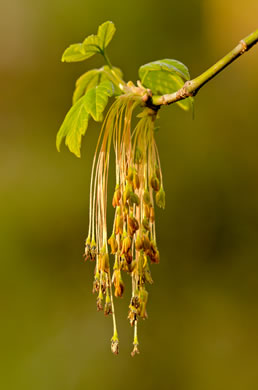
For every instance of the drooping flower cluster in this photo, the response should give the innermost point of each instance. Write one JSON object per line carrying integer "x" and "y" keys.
{"x": 138, "y": 187}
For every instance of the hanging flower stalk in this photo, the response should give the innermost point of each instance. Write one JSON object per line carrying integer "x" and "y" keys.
{"x": 133, "y": 237}
{"x": 129, "y": 246}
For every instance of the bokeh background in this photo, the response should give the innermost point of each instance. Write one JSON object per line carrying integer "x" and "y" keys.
{"x": 203, "y": 311}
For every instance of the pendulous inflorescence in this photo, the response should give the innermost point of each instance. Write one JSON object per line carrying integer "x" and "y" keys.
{"x": 132, "y": 243}
{"x": 129, "y": 246}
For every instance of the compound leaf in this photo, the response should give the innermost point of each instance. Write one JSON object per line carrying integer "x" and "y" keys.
{"x": 74, "y": 127}
{"x": 91, "y": 45}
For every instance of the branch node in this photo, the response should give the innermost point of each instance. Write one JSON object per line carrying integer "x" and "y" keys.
{"x": 244, "y": 46}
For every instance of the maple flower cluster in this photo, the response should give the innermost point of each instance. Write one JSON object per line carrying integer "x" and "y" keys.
{"x": 138, "y": 187}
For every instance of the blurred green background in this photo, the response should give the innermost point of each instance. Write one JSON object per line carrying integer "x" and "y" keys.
{"x": 203, "y": 317}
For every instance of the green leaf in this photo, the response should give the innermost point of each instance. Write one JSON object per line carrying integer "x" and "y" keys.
{"x": 178, "y": 67}
{"x": 82, "y": 51}
{"x": 106, "y": 32}
{"x": 108, "y": 75}
{"x": 92, "y": 45}
{"x": 164, "y": 77}
{"x": 88, "y": 80}
{"x": 172, "y": 66}
{"x": 96, "y": 99}
{"x": 74, "y": 53}
{"x": 74, "y": 127}
{"x": 92, "y": 78}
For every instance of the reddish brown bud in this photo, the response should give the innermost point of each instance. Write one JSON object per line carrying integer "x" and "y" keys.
{"x": 155, "y": 183}
{"x": 146, "y": 242}
{"x": 128, "y": 257}
{"x": 126, "y": 244}
{"x": 138, "y": 243}
{"x": 133, "y": 225}
{"x": 118, "y": 283}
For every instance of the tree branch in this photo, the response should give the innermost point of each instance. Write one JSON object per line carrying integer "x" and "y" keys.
{"x": 191, "y": 87}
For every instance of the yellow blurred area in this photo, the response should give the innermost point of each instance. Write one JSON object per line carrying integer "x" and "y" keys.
{"x": 201, "y": 333}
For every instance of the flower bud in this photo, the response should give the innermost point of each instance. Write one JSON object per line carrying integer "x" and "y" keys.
{"x": 104, "y": 262}
{"x": 128, "y": 258}
{"x": 160, "y": 198}
{"x": 155, "y": 183}
{"x": 115, "y": 344}
{"x": 134, "y": 199}
{"x": 93, "y": 250}
{"x": 96, "y": 283}
{"x": 135, "y": 349}
{"x": 130, "y": 174}
{"x": 113, "y": 244}
{"x": 146, "y": 223}
{"x": 146, "y": 242}
{"x": 126, "y": 244}
{"x": 87, "y": 253}
{"x": 116, "y": 197}
{"x": 119, "y": 224}
{"x": 147, "y": 274}
{"x": 138, "y": 243}
{"x": 107, "y": 307}
{"x": 143, "y": 303}
{"x": 99, "y": 300}
{"x": 127, "y": 192}
{"x": 146, "y": 209}
{"x": 126, "y": 210}
{"x": 118, "y": 283}
{"x": 133, "y": 225}
{"x": 146, "y": 197}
